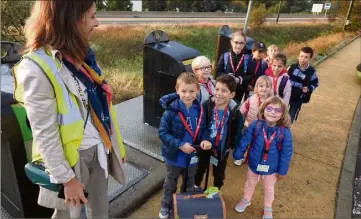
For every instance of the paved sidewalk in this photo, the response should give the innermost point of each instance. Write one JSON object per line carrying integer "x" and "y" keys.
{"x": 320, "y": 137}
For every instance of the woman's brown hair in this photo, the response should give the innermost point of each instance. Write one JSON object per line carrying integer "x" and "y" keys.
{"x": 54, "y": 24}
{"x": 285, "y": 118}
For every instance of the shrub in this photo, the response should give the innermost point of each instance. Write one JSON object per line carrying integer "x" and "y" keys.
{"x": 258, "y": 16}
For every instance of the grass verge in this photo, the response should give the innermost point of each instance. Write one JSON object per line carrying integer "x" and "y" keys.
{"x": 119, "y": 48}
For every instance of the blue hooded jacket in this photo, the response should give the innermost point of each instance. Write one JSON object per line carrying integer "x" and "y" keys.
{"x": 172, "y": 132}
{"x": 278, "y": 160}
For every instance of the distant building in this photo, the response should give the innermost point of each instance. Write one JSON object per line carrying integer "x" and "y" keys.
{"x": 137, "y": 5}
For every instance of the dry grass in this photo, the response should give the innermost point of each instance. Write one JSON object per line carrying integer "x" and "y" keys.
{"x": 119, "y": 48}
{"x": 321, "y": 45}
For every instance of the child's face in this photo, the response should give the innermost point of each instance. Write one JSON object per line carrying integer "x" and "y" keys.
{"x": 271, "y": 52}
{"x": 204, "y": 71}
{"x": 273, "y": 113}
{"x": 222, "y": 94}
{"x": 259, "y": 55}
{"x": 187, "y": 92}
{"x": 263, "y": 89}
{"x": 304, "y": 58}
{"x": 238, "y": 43}
{"x": 277, "y": 66}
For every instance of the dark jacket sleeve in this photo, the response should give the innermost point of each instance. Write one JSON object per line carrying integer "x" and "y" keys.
{"x": 164, "y": 130}
{"x": 285, "y": 153}
{"x": 314, "y": 83}
{"x": 220, "y": 66}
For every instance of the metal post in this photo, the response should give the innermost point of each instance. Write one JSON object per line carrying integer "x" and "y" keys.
{"x": 348, "y": 15}
{"x": 247, "y": 16}
{"x": 325, "y": 13}
{"x": 278, "y": 13}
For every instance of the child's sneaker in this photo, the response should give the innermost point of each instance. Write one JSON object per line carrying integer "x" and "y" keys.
{"x": 163, "y": 213}
{"x": 238, "y": 162}
{"x": 242, "y": 205}
{"x": 267, "y": 213}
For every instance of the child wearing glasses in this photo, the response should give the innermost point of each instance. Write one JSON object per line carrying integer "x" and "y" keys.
{"x": 250, "y": 107}
{"x": 235, "y": 63}
{"x": 202, "y": 67}
{"x": 270, "y": 152}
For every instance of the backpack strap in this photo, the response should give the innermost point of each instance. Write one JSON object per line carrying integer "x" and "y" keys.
{"x": 280, "y": 138}
{"x": 245, "y": 62}
{"x": 225, "y": 60}
{"x": 282, "y": 86}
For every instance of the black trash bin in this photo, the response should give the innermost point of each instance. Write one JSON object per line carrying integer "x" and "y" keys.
{"x": 18, "y": 195}
{"x": 223, "y": 44}
{"x": 163, "y": 61}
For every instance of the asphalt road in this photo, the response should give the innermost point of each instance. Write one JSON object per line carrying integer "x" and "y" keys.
{"x": 119, "y": 20}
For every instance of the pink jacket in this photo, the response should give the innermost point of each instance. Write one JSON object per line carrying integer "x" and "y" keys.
{"x": 249, "y": 109}
{"x": 288, "y": 88}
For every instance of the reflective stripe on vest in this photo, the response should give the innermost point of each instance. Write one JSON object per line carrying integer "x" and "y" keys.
{"x": 71, "y": 123}
{"x": 70, "y": 120}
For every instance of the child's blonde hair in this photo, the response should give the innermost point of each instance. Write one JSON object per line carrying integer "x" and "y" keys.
{"x": 187, "y": 78}
{"x": 267, "y": 80}
{"x": 199, "y": 61}
{"x": 285, "y": 118}
{"x": 273, "y": 46}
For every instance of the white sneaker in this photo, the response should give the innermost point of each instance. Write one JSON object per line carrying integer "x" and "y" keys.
{"x": 163, "y": 213}
{"x": 238, "y": 162}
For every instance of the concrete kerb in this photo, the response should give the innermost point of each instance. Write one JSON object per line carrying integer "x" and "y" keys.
{"x": 138, "y": 194}
{"x": 345, "y": 189}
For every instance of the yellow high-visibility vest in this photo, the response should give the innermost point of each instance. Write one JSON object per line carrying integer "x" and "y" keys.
{"x": 71, "y": 123}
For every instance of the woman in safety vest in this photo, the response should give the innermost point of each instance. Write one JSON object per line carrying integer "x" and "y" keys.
{"x": 68, "y": 104}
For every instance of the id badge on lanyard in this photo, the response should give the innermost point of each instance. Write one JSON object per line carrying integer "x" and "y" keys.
{"x": 265, "y": 168}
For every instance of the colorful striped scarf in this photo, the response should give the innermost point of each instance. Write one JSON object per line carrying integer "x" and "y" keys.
{"x": 99, "y": 94}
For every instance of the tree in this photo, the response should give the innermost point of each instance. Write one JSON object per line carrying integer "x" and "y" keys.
{"x": 208, "y": 6}
{"x": 13, "y": 17}
{"x": 114, "y": 5}
{"x": 156, "y": 5}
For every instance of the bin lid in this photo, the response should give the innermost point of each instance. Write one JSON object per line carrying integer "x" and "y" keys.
{"x": 176, "y": 50}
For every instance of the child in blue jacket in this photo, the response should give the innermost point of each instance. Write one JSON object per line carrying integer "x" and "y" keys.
{"x": 183, "y": 125}
{"x": 270, "y": 140}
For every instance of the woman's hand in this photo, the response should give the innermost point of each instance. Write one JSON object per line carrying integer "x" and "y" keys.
{"x": 74, "y": 192}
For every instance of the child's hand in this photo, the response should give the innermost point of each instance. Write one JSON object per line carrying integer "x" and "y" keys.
{"x": 187, "y": 148}
{"x": 206, "y": 145}
{"x": 304, "y": 89}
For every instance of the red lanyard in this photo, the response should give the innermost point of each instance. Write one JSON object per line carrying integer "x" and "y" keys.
{"x": 208, "y": 86}
{"x": 255, "y": 71}
{"x": 275, "y": 79}
{"x": 220, "y": 126}
{"x": 239, "y": 63}
{"x": 267, "y": 143}
{"x": 259, "y": 101}
{"x": 194, "y": 136}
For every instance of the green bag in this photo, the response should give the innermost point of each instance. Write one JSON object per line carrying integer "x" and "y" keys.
{"x": 37, "y": 175}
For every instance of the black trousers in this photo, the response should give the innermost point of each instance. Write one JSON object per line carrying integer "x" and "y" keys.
{"x": 218, "y": 171}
